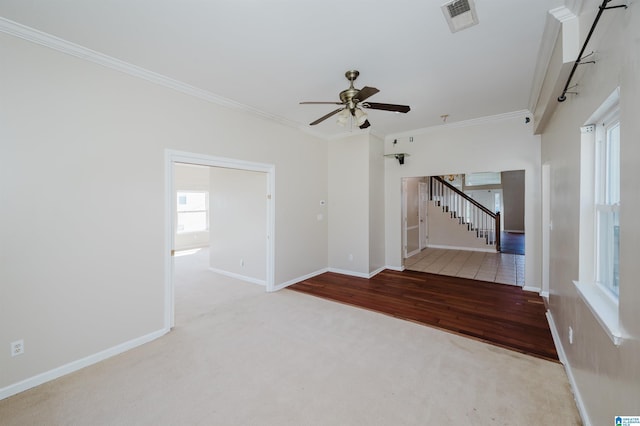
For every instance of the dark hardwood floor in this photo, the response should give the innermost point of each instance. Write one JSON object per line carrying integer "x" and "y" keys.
{"x": 512, "y": 243}
{"x": 499, "y": 314}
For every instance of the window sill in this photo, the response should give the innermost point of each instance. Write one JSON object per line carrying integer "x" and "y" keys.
{"x": 603, "y": 307}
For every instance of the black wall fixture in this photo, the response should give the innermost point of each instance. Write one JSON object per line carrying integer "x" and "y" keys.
{"x": 578, "y": 61}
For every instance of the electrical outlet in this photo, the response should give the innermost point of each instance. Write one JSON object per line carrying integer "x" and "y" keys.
{"x": 350, "y": 257}
{"x": 17, "y": 347}
{"x": 242, "y": 263}
{"x": 570, "y": 335}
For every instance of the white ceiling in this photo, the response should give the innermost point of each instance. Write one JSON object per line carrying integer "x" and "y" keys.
{"x": 272, "y": 54}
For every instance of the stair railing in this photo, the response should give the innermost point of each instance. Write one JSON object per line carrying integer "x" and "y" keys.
{"x": 468, "y": 211}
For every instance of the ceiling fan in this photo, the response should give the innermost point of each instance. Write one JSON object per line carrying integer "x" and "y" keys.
{"x": 353, "y": 103}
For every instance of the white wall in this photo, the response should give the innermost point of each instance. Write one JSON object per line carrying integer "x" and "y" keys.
{"x": 376, "y": 204}
{"x": 356, "y": 205}
{"x": 82, "y": 187}
{"x": 606, "y": 377}
{"x": 502, "y": 143}
{"x": 189, "y": 177}
{"x": 349, "y": 204}
{"x": 239, "y": 223}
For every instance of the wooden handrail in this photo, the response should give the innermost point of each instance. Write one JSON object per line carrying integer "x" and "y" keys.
{"x": 495, "y": 217}
{"x": 463, "y": 195}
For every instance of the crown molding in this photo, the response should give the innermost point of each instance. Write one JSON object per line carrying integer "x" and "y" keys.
{"x": 44, "y": 39}
{"x": 466, "y": 123}
{"x": 563, "y": 14}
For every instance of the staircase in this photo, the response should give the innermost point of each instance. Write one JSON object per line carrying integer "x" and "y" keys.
{"x": 469, "y": 214}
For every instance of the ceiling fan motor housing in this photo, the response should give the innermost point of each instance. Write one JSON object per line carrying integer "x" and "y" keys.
{"x": 346, "y": 96}
{"x": 352, "y": 100}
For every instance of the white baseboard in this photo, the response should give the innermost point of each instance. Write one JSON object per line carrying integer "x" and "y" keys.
{"x": 322, "y": 271}
{"x": 531, "y": 288}
{"x": 396, "y": 268}
{"x": 350, "y": 273}
{"x": 376, "y": 272}
{"x": 78, "y": 364}
{"x": 358, "y": 274}
{"x": 563, "y": 359}
{"x": 413, "y": 253}
{"x": 239, "y": 277}
{"x": 299, "y": 279}
{"x": 513, "y": 231}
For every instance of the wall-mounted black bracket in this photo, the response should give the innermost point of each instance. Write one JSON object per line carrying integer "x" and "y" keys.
{"x": 399, "y": 156}
{"x": 579, "y": 61}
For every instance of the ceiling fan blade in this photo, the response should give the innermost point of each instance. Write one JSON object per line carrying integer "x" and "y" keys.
{"x": 324, "y": 117}
{"x": 320, "y": 103}
{"x": 388, "y": 107}
{"x": 365, "y": 93}
{"x": 365, "y": 124}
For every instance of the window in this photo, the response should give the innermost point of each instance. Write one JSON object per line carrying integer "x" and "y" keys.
{"x": 607, "y": 204}
{"x": 483, "y": 178}
{"x": 599, "y": 245}
{"x": 193, "y": 212}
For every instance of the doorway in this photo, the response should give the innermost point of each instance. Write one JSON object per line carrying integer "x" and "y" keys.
{"x": 456, "y": 239}
{"x": 229, "y": 204}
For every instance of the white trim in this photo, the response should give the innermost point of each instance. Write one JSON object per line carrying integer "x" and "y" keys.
{"x": 442, "y": 246}
{"x": 169, "y": 238}
{"x": 350, "y": 273}
{"x": 44, "y": 39}
{"x": 603, "y": 308}
{"x": 567, "y": 367}
{"x": 78, "y": 364}
{"x": 238, "y": 276}
{"x": 513, "y": 231}
{"x": 562, "y": 14}
{"x": 376, "y": 272}
{"x": 546, "y": 227}
{"x": 300, "y": 279}
{"x": 532, "y": 288}
{"x": 413, "y": 253}
{"x": 556, "y": 338}
{"x": 395, "y": 268}
{"x": 173, "y": 156}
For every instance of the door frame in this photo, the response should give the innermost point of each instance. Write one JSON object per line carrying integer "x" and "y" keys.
{"x": 423, "y": 200}
{"x": 546, "y": 228}
{"x": 172, "y": 157}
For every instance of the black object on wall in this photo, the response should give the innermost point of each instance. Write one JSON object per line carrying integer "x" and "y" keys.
{"x": 578, "y": 61}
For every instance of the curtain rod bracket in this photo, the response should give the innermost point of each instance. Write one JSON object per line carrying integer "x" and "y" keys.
{"x": 578, "y": 61}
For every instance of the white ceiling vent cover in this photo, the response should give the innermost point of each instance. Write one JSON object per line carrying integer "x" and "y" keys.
{"x": 460, "y": 14}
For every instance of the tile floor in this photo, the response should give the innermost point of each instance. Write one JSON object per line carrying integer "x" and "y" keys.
{"x": 494, "y": 267}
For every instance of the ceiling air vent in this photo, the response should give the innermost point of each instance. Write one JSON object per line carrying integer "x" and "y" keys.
{"x": 460, "y": 14}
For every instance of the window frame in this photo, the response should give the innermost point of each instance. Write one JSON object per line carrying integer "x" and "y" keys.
{"x": 600, "y": 300}
{"x": 205, "y": 210}
{"x": 603, "y": 202}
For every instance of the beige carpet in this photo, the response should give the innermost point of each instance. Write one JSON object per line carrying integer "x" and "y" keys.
{"x": 239, "y": 356}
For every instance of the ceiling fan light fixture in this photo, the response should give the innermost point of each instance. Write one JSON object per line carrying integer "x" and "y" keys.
{"x": 361, "y": 116}
{"x": 343, "y": 116}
